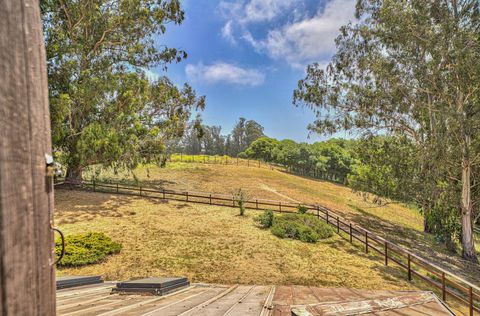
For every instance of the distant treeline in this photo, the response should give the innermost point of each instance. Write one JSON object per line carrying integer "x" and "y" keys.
{"x": 208, "y": 140}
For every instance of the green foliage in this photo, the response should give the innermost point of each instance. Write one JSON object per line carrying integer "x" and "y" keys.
{"x": 304, "y": 227}
{"x": 240, "y": 197}
{"x": 83, "y": 249}
{"x": 410, "y": 69}
{"x": 302, "y": 209}
{"x": 105, "y": 109}
{"x": 265, "y": 219}
{"x": 262, "y": 148}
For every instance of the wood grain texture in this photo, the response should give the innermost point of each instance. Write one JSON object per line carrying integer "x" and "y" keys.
{"x": 27, "y": 284}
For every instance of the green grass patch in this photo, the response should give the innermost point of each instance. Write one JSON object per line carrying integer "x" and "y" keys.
{"x": 83, "y": 249}
{"x": 304, "y": 227}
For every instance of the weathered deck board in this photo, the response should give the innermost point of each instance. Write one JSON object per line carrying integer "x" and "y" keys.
{"x": 243, "y": 300}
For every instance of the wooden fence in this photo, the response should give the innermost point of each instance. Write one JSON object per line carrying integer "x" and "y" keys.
{"x": 449, "y": 285}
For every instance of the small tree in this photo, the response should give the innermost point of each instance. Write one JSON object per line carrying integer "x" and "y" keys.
{"x": 241, "y": 197}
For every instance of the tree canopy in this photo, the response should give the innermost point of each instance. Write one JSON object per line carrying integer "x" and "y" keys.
{"x": 410, "y": 68}
{"x": 104, "y": 109}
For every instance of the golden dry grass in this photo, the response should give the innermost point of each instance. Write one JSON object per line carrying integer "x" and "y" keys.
{"x": 211, "y": 244}
{"x": 394, "y": 221}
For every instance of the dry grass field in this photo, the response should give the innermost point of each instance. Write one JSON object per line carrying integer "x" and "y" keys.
{"x": 396, "y": 222}
{"x": 211, "y": 244}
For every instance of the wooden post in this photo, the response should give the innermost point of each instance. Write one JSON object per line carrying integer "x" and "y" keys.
{"x": 351, "y": 235}
{"x": 366, "y": 242}
{"x": 409, "y": 268}
{"x": 256, "y": 204}
{"x": 210, "y": 199}
{"x": 327, "y": 216}
{"x": 386, "y": 253}
{"x": 338, "y": 225}
{"x": 27, "y": 276}
{"x": 444, "y": 293}
{"x": 470, "y": 300}
{"x": 318, "y": 211}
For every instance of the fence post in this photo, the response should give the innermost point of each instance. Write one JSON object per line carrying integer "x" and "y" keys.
{"x": 470, "y": 299}
{"x": 409, "y": 268}
{"x": 351, "y": 236}
{"x": 93, "y": 181}
{"x": 256, "y": 203}
{"x": 318, "y": 211}
{"x": 366, "y": 242}
{"x": 386, "y": 253}
{"x": 338, "y": 225}
{"x": 327, "y": 217}
{"x": 210, "y": 199}
{"x": 444, "y": 293}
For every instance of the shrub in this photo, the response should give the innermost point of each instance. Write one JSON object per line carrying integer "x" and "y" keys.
{"x": 302, "y": 209}
{"x": 303, "y": 227}
{"x": 266, "y": 219}
{"x": 83, "y": 249}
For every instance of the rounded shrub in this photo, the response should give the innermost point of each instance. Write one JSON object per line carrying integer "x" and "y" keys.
{"x": 304, "y": 227}
{"x": 83, "y": 249}
{"x": 265, "y": 219}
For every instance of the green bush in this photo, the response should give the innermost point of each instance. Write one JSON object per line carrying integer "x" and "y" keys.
{"x": 302, "y": 209}
{"x": 304, "y": 227}
{"x": 266, "y": 219}
{"x": 83, "y": 249}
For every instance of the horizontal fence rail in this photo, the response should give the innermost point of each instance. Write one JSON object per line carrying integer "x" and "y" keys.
{"x": 447, "y": 283}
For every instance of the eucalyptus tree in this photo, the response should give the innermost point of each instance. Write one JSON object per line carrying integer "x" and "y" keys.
{"x": 410, "y": 67}
{"x": 104, "y": 109}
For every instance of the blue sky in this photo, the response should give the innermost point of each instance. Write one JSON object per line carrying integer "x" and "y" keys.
{"x": 246, "y": 57}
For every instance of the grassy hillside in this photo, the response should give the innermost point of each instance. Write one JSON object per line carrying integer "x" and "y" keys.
{"x": 211, "y": 244}
{"x": 397, "y": 222}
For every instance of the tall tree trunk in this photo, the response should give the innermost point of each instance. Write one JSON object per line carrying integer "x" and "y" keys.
{"x": 74, "y": 174}
{"x": 468, "y": 246}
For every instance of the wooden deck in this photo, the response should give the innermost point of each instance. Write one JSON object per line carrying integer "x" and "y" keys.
{"x": 240, "y": 300}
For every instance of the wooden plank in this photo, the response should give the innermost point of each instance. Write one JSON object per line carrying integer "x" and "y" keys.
{"x": 27, "y": 284}
{"x": 253, "y": 303}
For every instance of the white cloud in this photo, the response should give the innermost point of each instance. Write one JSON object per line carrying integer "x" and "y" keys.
{"x": 311, "y": 39}
{"x": 224, "y": 72}
{"x": 244, "y": 12}
{"x": 302, "y": 40}
{"x": 227, "y": 32}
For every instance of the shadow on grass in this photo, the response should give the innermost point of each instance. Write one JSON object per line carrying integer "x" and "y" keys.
{"x": 418, "y": 242}
{"x": 84, "y": 205}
